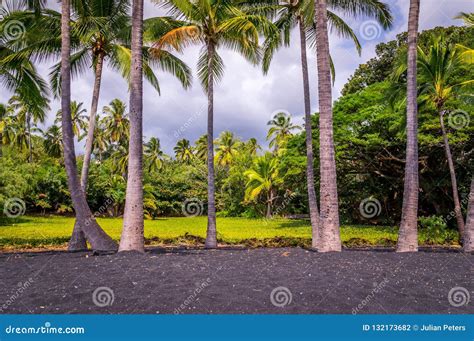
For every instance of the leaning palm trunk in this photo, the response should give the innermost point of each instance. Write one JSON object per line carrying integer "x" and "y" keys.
{"x": 211, "y": 238}
{"x": 469, "y": 228}
{"x": 98, "y": 239}
{"x": 330, "y": 239}
{"x": 313, "y": 204}
{"x": 78, "y": 240}
{"x": 452, "y": 173}
{"x": 408, "y": 235}
{"x": 133, "y": 225}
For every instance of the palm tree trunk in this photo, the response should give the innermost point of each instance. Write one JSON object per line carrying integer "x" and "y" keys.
{"x": 92, "y": 119}
{"x": 313, "y": 203}
{"x": 30, "y": 148}
{"x": 98, "y": 239}
{"x": 211, "y": 237}
{"x": 469, "y": 228}
{"x": 330, "y": 239}
{"x": 78, "y": 239}
{"x": 408, "y": 234}
{"x": 452, "y": 173}
{"x": 133, "y": 224}
{"x": 270, "y": 197}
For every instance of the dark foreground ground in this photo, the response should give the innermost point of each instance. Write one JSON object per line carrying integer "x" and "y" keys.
{"x": 237, "y": 281}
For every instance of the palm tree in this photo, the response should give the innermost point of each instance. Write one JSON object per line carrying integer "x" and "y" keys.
{"x": 85, "y": 220}
{"x": 133, "y": 225}
{"x": 154, "y": 155}
{"x": 227, "y": 148}
{"x": 437, "y": 87}
{"x": 116, "y": 121}
{"x": 53, "y": 141}
{"x": 201, "y": 148}
{"x": 469, "y": 231}
{"x": 213, "y": 24}
{"x": 408, "y": 234}
{"x": 100, "y": 35}
{"x": 467, "y": 53}
{"x": 252, "y": 147}
{"x": 293, "y": 13}
{"x": 78, "y": 119}
{"x": 29, "y": 113}
{"x": 101, "y": 140}
{"x": 281, "y": 128}
{"x": 263, "y": 179}
{"x": 329, "y": 236}
{"x": 183, "y": 151}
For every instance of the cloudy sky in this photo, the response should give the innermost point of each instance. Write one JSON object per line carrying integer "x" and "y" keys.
{"x": 245, "y": 99}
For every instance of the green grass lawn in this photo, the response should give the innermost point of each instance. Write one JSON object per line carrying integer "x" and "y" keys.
{"x": 54, "y": 231}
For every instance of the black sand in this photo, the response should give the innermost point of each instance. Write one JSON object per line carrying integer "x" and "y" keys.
{"x": 236, "y": 282}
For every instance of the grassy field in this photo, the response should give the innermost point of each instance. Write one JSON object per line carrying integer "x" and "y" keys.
{"x": 54, "y": 232}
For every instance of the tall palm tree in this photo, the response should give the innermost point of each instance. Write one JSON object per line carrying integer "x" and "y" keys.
{"x": 133, "y": 225}
{"x": 263, "y": 178}
{"x": 469, "y": 230}
{"x": 183, "y": 151}
{"x": 227, "y": 148}
{"x": 329, "y": 236}
{"x": 101, "y": 139}
{"x": 214, "y": 24}
{"x": 437, "y": 87}
{"x": 154, "y": 155}
{"x": 116, "y": 121}
{"x": 78, "y": 119}
{"x": 53, "y": 141}
{"x": 30, "y": 113}
{"x": 281, "y": 128}
{"x": 408, "y": 234}
{"x": 292, "y": 13}
{"x": 98, "y": 239}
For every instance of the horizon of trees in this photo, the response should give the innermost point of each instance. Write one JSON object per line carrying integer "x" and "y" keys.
{"x": 442, "y": 68}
